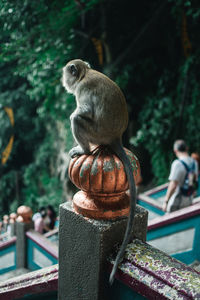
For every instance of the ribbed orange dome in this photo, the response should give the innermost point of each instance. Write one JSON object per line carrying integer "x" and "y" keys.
{"x": 102, "y": 171}
{"x": 103, "y": 183}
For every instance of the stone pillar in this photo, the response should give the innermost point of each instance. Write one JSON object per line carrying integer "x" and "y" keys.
{"x": 89, "y": 232}
{"x": 12, "y": 229}
{"x": 21, "y": 248}
{"x": 13, "y": 217}
{"x": 84, "y": 246}
{"x": 23, "y": 224}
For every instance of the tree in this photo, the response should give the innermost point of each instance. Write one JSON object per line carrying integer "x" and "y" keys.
{"x": 141, "y": 45}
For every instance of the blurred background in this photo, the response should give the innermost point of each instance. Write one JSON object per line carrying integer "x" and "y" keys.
{"x": 149, "y": 48}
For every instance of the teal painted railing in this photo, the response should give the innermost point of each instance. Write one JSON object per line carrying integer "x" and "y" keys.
{"x": 121, "y": 291}
{"x": 177, "y": 234}
{"x": 152, "y": 274}
{"x": 8, "y": 255}
{"x": 40, "y": 251}
{"x": 153, "y": 199}
{"x": 52, "y": 235}
{"x": 145, "y": 273}
{"x": 40, "y": 284}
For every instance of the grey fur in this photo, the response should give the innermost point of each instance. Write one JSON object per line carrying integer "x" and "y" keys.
{"x": 100, "y": 118}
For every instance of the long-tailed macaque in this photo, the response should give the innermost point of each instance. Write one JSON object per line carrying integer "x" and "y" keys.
{"x": 100, "y": 118}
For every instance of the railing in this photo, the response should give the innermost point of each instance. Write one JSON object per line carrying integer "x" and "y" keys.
{"x": 52, "y": 235}
{"x": 41, "y": 252}
{"x": 177, "y": 233}
{"x": 152, "y": 274}
{"x": 153, "y": 199}
{"x": 8, "y": 255}
{"x": 145, "y": 273}
{"x": 4, "y": 237}
{"x": 42, "y": 283}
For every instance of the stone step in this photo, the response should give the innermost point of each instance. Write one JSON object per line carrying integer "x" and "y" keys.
{"x": 13, "y": 273}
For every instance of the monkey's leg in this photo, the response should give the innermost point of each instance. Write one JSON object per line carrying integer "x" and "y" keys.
{"x": 80, "y": 130}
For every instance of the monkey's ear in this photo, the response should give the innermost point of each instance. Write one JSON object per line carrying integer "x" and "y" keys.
{"x": 73, "y": 70}
{"x": 87, "y": 64}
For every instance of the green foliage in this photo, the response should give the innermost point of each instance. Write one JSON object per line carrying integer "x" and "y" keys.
{"x": 142, "y": 50}
{"x": 36, "y": 41}
{"x": 170, "y": 115}
{"x": 157, "y": 133}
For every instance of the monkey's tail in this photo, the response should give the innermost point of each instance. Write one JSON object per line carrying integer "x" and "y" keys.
{"x": 119, "y": 150}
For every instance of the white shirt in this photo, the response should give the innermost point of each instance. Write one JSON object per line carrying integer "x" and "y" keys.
{"x": 178, "y": 171}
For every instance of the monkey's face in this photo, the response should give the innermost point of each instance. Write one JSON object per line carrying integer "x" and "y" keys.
{"x": 69, "y": 78}
{"x": 73, "y": 73}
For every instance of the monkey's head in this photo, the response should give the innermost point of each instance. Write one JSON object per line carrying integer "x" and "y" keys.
{"x": 73, "y": 73}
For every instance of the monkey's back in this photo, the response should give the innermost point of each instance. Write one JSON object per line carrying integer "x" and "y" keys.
{"x": 108, "y": 102}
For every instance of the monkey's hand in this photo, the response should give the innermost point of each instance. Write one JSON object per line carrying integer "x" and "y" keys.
{"x": 77, "y": 151}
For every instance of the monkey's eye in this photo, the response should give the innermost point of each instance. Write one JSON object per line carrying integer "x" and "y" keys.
{"x": 73, "y": 70}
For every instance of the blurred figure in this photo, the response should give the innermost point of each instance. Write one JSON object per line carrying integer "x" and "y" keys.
{"x": 39, "y": 224}
{"x": 38, "y": 213}
{"x": 52, "y": 217}
{"x": 180, "y": 190}
{"x": 196, "y": 156}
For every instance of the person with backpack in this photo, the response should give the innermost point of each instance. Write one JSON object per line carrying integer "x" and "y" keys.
{"x": 183, "y": 179}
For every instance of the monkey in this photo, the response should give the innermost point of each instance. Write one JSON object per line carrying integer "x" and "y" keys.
{"x": 100, "y": 118}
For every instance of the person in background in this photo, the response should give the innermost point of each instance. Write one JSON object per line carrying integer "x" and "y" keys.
{"x": 39, "y": 224}
{"x": 196, "y": 156}
{"x": 177, "y": 195}
{"x": 38, "y": 213}
{"x": 52, "y": 217}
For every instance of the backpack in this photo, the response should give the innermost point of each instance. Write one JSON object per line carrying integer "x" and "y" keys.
{"x": 190, "y": 182}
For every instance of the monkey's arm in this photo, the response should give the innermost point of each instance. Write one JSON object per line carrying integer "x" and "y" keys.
{"x": 81, "y": 121}
{"x": 83, "y": 111}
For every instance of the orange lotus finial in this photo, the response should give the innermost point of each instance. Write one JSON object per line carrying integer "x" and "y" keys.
{"x": 24, "y": 214}
{"x": 103, "y": 183}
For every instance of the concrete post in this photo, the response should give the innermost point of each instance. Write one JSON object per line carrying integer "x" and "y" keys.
{"x": 13, "y": 229}
{"x": 21, "y": 229}
{"x": 84, "y": 246}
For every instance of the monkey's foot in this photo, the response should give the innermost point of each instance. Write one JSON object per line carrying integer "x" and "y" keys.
{"x": 77, "y": 151}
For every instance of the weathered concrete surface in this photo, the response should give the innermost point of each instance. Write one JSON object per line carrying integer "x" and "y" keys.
{"x": 155, "y": 275}
{"x": 21, "y": 229}
{"x": 12, "y": 229}
{"x": 84, "y": 246}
